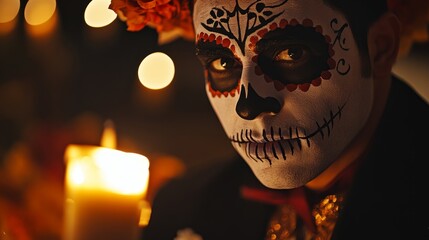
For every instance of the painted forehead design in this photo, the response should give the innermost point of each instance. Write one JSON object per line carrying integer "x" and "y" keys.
{"x": 239, "y": 23}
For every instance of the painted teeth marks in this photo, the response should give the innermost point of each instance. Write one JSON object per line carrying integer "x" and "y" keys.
{"x": 327, "y": 127}
{"x": 272, "y": 133}
{"x": 267, "y": 151}
{"x": 298, "y": 139}
{"x": 280, "y": 145}
{"x": 304, "y": 87}
{"x": 282, "y": 150}
{"x": 264, "y": 135}
{"x": 247, "y": 134}
{"x": 321, "y": 132}
{"x": 226, "y": 43}
{"x": 274, "y": 152}
{"x": 274, "y": 145}
{"x": 307, "y": 139}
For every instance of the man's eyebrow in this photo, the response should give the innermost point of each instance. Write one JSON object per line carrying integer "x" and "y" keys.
{"x": 211, "y": 49}
{"x": 295, "y": 35}
{"x": 280, "y": 36}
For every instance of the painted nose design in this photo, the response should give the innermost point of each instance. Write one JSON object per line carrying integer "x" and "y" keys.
{"x": 251, "y": 106}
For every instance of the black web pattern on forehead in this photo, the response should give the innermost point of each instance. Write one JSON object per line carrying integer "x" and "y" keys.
{"x": 248, "y": 20}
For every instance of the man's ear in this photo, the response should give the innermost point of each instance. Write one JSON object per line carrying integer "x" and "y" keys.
{"x": 383, "y": 44}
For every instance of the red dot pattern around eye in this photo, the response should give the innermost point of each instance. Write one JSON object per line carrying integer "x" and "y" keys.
{"x": 224, "y": 42}
{"x": 325, "y": 75}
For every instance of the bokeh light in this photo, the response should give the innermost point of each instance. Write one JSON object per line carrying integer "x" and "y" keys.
{"x": 98, "y": 14}
{"x": 44, "y": 29}
{"x": 37, "y": 12}
{"x": 156, "y": 71}
{"x": 8, "y": 10}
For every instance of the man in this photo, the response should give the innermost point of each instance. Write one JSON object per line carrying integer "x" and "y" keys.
{"x": 333, "y": 144}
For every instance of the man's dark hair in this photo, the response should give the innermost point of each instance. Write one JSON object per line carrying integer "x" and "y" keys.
{"x": 361, "y": 14}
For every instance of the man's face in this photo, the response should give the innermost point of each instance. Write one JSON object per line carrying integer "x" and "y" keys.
{"x": 284, "y": 78}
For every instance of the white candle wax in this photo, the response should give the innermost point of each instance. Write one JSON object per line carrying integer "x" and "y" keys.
{"x": 104, "y": 190}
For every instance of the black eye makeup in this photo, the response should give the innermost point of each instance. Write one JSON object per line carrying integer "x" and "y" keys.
{"x": 223, "y": 69}
{"x": 295, "y": 54}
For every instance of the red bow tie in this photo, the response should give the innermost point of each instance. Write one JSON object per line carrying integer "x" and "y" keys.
{"x": 295, "y": 197}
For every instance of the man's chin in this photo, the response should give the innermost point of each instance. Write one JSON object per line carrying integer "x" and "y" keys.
{"x": 278, "y": 179}
{"x": 278, "y": 184}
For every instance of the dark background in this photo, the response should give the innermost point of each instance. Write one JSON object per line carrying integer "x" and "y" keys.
{"x": 83, "y": 75}
{"x": 79, "y": 72}
{"x": 62, "y": 87}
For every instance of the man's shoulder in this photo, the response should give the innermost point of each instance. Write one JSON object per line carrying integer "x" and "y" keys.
{"x": 189, "y": 199}
{"x": 406, "y": 113}
{"x": 202, "y": 178}
{"x": 406, "y": 98}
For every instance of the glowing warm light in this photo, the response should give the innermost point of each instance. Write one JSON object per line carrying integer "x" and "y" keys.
{"x": 122, "y": 172}
{"x": 109, "y": 135}
{"x": 107, "y": 169}
{"x": 8, "y": 10}
{"x": 43, "y": 30}
{"x": 156, "y": 71}
{"x": 98, "y": 14}
{"x": 77, "y": 174}
{"x": 37, "y": 12}
{"x": 105, "y": 188}
{"x": 7, "y": 27}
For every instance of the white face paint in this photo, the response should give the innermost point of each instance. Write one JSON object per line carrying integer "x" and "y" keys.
{"x": 284, "y": 78}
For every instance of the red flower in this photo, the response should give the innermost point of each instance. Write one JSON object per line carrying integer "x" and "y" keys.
{"x": 163, "y": 15}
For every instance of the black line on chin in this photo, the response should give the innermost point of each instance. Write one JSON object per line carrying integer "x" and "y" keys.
{"x": 247, "y": 135}
{"x": 256, "y": 153}
{"x": 282, "y": 150}
{"x": 272, "y": 133}
{"x": 320, "y": 130}
{"x": 327, "y": 127}
{"x": 307, "y": 139}
{"x": 251, "y": 137}
{"x": 274, "y": 151}
{"x": 264, "y": 135}
{"x": 265, "y": 152}
{"x": 291, "y": 146}
{"x": 298, "y": 140}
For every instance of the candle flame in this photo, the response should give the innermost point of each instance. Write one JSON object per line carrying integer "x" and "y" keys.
{"x": 105, "y": 168}
{"x": 108, "y": 138}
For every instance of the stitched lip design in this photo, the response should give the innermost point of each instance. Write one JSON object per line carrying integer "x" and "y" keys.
{"x": 279, "y": 143}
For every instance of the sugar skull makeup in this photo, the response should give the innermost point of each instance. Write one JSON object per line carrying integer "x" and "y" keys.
{"x": 284, "y": 78}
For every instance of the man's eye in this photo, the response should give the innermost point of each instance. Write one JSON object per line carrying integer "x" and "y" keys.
{"x": 222, "y": 64}
{"x": 224, "y": 73}
{"x": 292, "y": 54}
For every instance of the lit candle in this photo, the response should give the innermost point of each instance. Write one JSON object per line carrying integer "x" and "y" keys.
{"x": 104, "y": 191}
